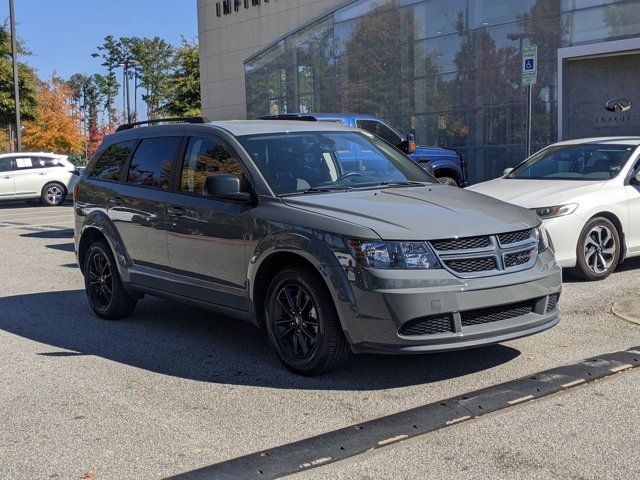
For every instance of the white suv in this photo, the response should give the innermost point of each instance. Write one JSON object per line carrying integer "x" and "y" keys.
{"x": 36, "y": 175}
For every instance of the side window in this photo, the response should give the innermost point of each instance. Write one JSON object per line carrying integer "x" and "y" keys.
{"x": 112, "y": 161}
{"x": 49, "y": 162}
{"x": 5, "y": 165}
{"x": 151, "y": 164}
{"x": 381, "y": 130}
{"x": 23, "y": 163}
{"x": 206, "y": 157}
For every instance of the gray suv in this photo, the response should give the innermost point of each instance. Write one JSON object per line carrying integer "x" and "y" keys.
{"x": 280, "y": 224}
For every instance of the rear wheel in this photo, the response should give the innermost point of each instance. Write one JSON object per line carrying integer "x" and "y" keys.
{"x": 53, "y": 194}
{"x": 103, "y": 285}
{"x": 302, "y": 323}
{"x": 598, "y": 250}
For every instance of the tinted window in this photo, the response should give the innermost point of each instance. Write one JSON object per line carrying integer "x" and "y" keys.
{"x": 381, "y": 130}
{"x": 206, "y": 157}
{"x": 5, "y": 164}
{"x": 151, "y": 164}
{"x": 112, "y": 161}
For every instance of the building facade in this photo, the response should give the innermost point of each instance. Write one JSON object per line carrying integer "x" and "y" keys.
{"x": 449, "y": 69}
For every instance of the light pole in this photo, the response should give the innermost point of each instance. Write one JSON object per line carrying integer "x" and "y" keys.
{"x": 16, "y": 86}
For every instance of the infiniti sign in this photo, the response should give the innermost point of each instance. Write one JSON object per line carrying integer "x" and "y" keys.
{"x": 618, "y": 105}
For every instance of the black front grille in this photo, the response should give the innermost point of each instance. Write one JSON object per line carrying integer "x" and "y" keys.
{"x": 428, "y": 325}
{"x": 553, "y": 302}
{"x": 515, "y": 237}
{"x": 519, "y": 258}
{"x": 460, "y": 243}
{"x": 495, "y": 314}
{"x": 471, "y": 265}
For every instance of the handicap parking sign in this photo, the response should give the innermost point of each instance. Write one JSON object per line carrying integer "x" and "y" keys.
{"x": 529, "y": 65}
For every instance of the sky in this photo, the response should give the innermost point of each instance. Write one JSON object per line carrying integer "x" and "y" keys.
{"x": 62, "y": 34}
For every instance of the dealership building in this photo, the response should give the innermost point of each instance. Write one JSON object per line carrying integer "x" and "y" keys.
{"x": 452, "y": 70}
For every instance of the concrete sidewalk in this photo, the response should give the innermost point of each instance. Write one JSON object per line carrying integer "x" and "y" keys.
{"x": 629, "y": 309}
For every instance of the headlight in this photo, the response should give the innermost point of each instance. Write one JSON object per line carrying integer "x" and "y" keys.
{"x": 557, "y": 211}
{"x": 394, "y": 255}
{"x": 542, "y": 238}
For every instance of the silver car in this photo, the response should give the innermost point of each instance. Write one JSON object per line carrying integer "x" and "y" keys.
{"x": 326, "y": 237}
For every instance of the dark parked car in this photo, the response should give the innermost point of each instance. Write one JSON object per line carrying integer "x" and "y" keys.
{"x": 446, "y": 164}
{"x": 275, "y": 223}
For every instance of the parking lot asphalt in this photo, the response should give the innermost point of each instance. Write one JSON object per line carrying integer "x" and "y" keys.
{"x": 176, "y": 388}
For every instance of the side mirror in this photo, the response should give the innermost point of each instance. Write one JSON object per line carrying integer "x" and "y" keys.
{"x": 225, "y": 186}
{"x": 411, "y": 143}
{"x": 507, "y": 171}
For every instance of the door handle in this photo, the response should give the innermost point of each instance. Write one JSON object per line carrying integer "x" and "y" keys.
{"x": 117, "y": 200}
{"x": 8, "y": 177}
{"x": 176, "y": 211}
{"x": 42, "y": 173}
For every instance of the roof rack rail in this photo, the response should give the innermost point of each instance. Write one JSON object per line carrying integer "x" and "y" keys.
{"x": 129, "y": 126}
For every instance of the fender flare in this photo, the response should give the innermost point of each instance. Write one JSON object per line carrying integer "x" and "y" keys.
{"x": 98, "y": 220}
{"x": 306, "y": 245}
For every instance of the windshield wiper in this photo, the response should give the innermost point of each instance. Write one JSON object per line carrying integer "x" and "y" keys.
{"x": 335, "y": 188}
{"x": 401, "y": 183}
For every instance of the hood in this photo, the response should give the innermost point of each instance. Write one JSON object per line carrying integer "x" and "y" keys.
{"x": 434, "y": 152}
{"x": 418, "y": 213}
{"x": 537, "y": 193}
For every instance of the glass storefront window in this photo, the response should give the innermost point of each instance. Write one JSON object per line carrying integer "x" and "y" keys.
{"x": 448, "y": 68}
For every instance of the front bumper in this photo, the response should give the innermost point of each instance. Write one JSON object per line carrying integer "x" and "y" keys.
{"x": 385, "y": 301}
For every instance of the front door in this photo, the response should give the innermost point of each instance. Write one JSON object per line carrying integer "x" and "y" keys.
{"x": 138, "y": 208}
{"x": 7, "y": 190}
{"x": 633, "y": 194}
{"x": 206, "y": 236}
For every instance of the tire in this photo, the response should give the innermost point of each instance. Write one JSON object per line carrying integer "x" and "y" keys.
{"x": 448, "y": 181}
{"x": 53, "y": 194}
{"x": 302, "y": 323}
{"x": 598, "y": 250}
{"x": 103, "y": 285}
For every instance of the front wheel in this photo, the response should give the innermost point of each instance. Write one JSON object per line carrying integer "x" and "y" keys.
{"x": 302, "y": 323}
{"x": 598, "y": 250}
{"x": 448, "y": 181}
{"x": 53, "y": 194}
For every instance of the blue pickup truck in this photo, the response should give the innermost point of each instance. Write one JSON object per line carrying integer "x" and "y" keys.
{"x": 447, "y": 165}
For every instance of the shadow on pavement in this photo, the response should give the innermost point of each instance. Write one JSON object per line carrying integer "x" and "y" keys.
{"x": 177, "y": 340}
{"x": 64, "y": 247}
{"x": 53, "y": 234}
{"x": 627, "y": 265}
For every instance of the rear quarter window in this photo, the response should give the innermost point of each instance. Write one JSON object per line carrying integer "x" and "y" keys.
{"x": 112, "y": 161}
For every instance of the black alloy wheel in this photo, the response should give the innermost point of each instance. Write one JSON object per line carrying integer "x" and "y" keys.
{"x": 302, "y": 323}
{"x": 103, "y": 285}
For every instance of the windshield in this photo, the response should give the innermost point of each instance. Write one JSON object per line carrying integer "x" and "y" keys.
{"x": 323, "y": 161}
{"x": 575, "y": 162}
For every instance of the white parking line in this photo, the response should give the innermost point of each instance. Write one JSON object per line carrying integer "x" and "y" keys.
{"x": 43, "y": 226}
{"x": 39, "y": 212}
{"x": 35, "y": 219}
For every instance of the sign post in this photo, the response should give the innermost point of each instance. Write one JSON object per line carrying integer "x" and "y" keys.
{"x": 529, "y": 78}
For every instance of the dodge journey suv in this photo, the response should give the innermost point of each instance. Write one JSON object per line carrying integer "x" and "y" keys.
{"x": 279, "y": 224}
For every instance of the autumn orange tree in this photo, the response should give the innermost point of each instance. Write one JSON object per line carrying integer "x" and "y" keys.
{"x": 56, "y": 127}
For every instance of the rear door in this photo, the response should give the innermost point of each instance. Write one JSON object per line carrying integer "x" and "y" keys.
{"x": 138, "y": 207}
{"x": 206, "y": 236}
{"x": 29, "y": 176}
{"x": 7, "y": 189}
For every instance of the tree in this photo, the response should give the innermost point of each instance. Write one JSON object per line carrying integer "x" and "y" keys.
{"x": 112, "y": 53}
{"x": 56, "y": 127}
{"x": 155, "y": 62}
{"x": 26, "y": 82}
{"x": 184, "y": 83}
